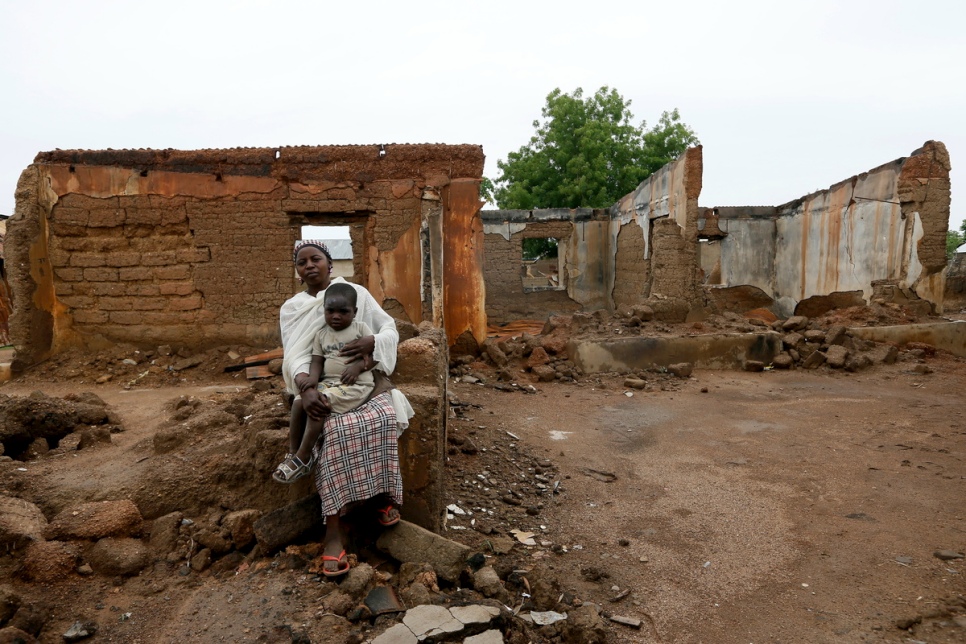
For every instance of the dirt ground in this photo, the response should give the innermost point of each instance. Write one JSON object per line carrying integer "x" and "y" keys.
{"x": 781, "y": 506}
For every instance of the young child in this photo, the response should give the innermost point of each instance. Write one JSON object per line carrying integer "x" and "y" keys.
{"x": 342, "y": 385}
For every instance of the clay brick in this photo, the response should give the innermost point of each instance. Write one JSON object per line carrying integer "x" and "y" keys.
{"x": 87, "y": 260}
{"x": 144, "y": 216}
{"x": 76, "y": 200}
{"x": 193, "y": 255}
{"x": 58, "y": 257}
{"x": 90, "y": 317}
{"x": 100, "y": 274}
{"x": 123, "y": 259}
{"x": 92, "y": 244}
{"x": 174, "y": 216}
{"x": 63, "y": 288}
{"x": 179, "y": 272}
{"x": 149, "y": 303}
{"x": 69, "y": 216}
{"x": 143, "y": 290}
{"x": 187, "y": 303}
{"x": 177, "y": 288}
{"x": 106, "y": 218}
{"x": 78, "y": 301}
{"x": 111, "y": 289}
{"x": 164, "y": 258}
{"x": 68, "y": 230}
{"x": 126, "y": 317}
{"x": 136, "y": 274}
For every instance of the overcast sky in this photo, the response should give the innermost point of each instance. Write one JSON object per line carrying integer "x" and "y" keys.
{"x": 787, "y": 98}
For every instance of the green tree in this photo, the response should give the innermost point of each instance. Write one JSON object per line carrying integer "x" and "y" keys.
{"x": 587, "y": 153}
{"x": 955, "y": 239}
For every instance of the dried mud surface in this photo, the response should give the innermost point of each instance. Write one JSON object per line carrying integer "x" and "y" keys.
{"x": 782, "y": 506}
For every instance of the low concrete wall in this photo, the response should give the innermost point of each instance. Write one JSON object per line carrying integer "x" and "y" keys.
{"x": 948, "y": 336}
{"x": 719, "y": 351}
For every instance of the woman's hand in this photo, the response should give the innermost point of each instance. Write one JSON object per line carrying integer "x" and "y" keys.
{"x": 358, "y": 349}
{"x": 315, "y": 404}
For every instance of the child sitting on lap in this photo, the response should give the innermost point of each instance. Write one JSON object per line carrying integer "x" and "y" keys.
{"x": 343, "y": 386}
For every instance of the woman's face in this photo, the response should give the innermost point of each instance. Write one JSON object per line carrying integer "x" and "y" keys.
{"x": 313, "y": 267}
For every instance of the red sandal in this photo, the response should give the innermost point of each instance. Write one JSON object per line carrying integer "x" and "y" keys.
{"x": 338, "y": 572}
{"x": 384, "y": 519}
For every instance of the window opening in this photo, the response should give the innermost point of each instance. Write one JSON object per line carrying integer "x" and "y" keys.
{"x": 337, "y": 240}
{"x": 542, "y": 265}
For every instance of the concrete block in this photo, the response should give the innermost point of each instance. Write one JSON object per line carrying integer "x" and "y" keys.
{"x": 408, "y": 542}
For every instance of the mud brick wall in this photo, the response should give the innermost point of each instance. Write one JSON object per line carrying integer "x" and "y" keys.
{"x": 193, "y": 248}
{"x": 631, "y": 261}
{"x": 505, "y": 231}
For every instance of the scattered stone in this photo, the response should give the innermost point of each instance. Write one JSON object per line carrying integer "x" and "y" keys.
{"x": 836, "y": 355}
{"x": 495, "y": 353}
{"x": 538, "y": 358}
{"x": 922, "y": 368}
{"x": 815, "y": 335}
{"x": 202, "y": 560}
{"x": 793, "y": 340}
{"x": 783, "y": 361}
{"x": 947, "y": 555}
{"x": 545, "y": 373}
{"x": 358, "y": 579}
{"x": 858, "y": 362}
{"x": 31, "y": 618}
{"x": 884, "y": 354}
{"x": 487, "y": 583}
{"x": 21, "y": 522}
{"x": 94, "y": 437}
{"x": 606, "y": 477}
{"x": 836, "y": 335}
{"x": 117, "y": 557}
{"x": 754, "y": 365}
{"x": 11, "y": 635}
{"x": 644, "y": 312}
{"x": 635, "y": 383}
{"x": 85, "y": 569}
{"x": 187, "y": 363}
{"x": 95, "y": 521}
{"x": 338, "y": 602}
{"x": 815, "y": 360}
{"x": 681, "y": 369}
{"x": 49, "y": 561}
{"x": 164, "y": 533}
{"x": 795, "y": 323}
{"x": 545, "y": 618}
{"x": 241, "y": 525}
{"x": 79, "y": 631}
{"x": 633, "y": 622}
{"x": 9, "y": 603}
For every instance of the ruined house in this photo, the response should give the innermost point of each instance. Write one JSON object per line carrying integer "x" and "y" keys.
{"x": 194, "y": 249}
{"x": 880, "y": 234}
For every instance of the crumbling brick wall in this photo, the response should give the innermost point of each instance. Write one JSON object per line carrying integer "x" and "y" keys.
{"x": 194, "y": 247}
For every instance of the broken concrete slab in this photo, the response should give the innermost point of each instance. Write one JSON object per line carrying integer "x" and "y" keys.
{"x": 408, "y": 542}
{"x": 714, "y": 351}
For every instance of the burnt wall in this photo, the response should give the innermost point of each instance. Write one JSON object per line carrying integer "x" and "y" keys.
{"x": 887, "y": 225}
{"x": 194, "y": 247}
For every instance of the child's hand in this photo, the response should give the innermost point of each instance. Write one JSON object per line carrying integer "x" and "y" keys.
{"x": 315, "y": 404}
{"x": 352, "y": 371}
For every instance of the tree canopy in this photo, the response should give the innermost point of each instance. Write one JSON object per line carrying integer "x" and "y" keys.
{"x": 955, "y": 239}
{"x": 587, "y": 153}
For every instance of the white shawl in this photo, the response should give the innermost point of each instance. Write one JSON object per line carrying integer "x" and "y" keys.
{"x": 302, "y": 316}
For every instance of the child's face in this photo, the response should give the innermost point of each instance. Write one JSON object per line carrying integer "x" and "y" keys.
{"x": 338, "y": 313}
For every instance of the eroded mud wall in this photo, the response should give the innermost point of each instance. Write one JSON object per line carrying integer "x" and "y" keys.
{"x": 886, "y": 225}
{"x": 955, "y": 294}
{"x": 644, "y": 248}
{"x": 511, "y": 294}
{"x": 194, "y": 247}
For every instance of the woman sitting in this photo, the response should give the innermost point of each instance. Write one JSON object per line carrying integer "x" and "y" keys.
{"x": 357, "y": 458}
